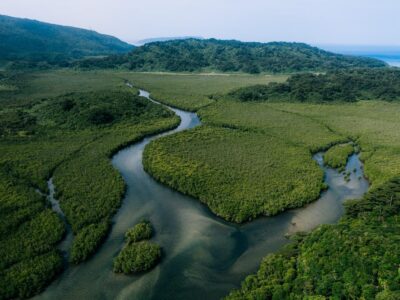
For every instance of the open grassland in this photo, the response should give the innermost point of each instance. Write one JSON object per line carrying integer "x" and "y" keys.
{"x": 373, "y": 125}
{"x": 294, "y": 128}
{"x": 49, "y": 130}
{"x": 185, "y": 91}
{"x": 192, "y": 91}
{"x": 30, "y": 87}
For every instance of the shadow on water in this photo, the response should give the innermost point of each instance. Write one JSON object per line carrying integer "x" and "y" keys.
{"x": 205, "y": 257}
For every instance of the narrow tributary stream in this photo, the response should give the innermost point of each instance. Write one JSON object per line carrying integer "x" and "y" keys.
{"x": 205, "y": 257}
{"x": 65, "y": 244}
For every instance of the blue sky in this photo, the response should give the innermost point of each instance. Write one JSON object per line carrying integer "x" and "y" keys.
{"x": 354, "y": 22}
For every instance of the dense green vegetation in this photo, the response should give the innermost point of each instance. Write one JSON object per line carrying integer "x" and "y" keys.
{"x": 269, "y": 155}
{"x": 336, "y": 156}
{"x": 323, "y": 263}
{"x": 229, "y": 56}
{"x": 141, "y": 231}
{"x": 358, "y": 258}
{"x": 50, "y": 130}
{"x": 137, "y": 255}
{"x": 29, "y": 277}
{"x": 238, "y": 174}
{"x": 347, "y": 86}
{"x": 87, "y": 240}
{"x": 29, "y": 43}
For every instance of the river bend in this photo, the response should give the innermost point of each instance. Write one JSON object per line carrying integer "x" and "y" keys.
{"x": 205, "y": 257}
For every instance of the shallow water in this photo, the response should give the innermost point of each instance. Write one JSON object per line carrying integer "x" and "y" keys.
{"x": 66, "y": 241}
{"x": 205, "y": 257}
{"x": 65, "y": 244}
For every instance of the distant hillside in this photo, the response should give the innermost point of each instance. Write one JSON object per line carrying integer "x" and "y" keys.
{"x": 231, "y": 56}
{"x": 165, "y": 39}
{"x": 34, "y": 41}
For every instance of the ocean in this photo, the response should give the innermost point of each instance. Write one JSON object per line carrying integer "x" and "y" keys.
{"x": 389, "y": 54}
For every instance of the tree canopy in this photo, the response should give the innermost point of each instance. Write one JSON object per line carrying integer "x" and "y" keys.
{"x": 347, "y": 86}
{"x": 229, "y": 56}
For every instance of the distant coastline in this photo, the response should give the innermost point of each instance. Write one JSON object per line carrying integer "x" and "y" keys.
{"x": 391, "y": 60}
{"x": 389, "y": 54}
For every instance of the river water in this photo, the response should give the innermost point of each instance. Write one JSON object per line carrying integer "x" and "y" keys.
{"x": 204, "y": 256}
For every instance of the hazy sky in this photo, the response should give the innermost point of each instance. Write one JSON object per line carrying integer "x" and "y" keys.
{"x": 372, "y": 22}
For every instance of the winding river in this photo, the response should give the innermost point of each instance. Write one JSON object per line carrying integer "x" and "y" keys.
{"x": 205, "y": 257}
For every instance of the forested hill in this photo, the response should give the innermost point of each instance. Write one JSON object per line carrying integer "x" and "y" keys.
{"x": 34, "y": 41}
{"x": 230, "y": 56}
{"x": 347, "y": 86}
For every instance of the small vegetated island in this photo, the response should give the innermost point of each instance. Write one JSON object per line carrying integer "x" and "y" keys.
{"x": 138, "y": 254}
{"x": 336, "y": 156}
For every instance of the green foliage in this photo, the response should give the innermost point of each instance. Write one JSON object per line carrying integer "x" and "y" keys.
{"x": 372, "y": 124}
{"x": 20, "y": 205}
{"x": 139, "y": 232}
{"x": 16, "y": 121}
{"x": 85, "y": 110}
{"x": 193, "y": 91}
{"x": 255, "y": 92}
{"x": 87, "y": 240}
{"x": 77, "y": 152}
{"x": 355, "y": 259}
{"x": 28, "y": 234}
{"x": 229, "y": 56}
{"x": 336, "y": 156}
{"x": 31, "y": 43}
{"x": 239, "y": 175}
{"x": 63, "y": 143}
{"x": 294, "y": 128}
{"x": 347, "y": 86}
{"x": 31, "y": 238}
{"x": 186, "y": 91}
{"x": 31, "y": 87}
{"x": 29, "y": 277}
{"x": 358, "y": 258}
{"x": 100, "y": 116}
{"x": 137, "y": 257}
